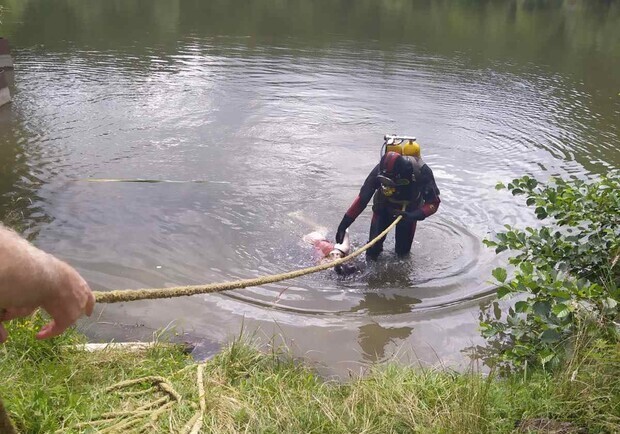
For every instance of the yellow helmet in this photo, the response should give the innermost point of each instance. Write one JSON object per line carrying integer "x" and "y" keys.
{"x": 411, "y": 149}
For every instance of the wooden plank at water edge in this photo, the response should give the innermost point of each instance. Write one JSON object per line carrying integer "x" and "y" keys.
{"x": 6, "y": 61}
{"x": 5, "y": 94}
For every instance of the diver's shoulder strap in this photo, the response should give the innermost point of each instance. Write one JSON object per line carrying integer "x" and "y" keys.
{"x": 417, "y": 164}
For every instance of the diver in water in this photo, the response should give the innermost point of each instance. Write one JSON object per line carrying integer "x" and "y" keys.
{"x": 402, "y": 184}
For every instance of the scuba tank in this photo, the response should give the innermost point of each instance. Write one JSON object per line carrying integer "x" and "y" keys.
{"x": 411, "y": 149}
{"x": 403, "y": 145}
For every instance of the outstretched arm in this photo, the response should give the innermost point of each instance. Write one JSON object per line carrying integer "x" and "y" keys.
{"x": 31, "y": 278}
{"x": 359, "y": 204}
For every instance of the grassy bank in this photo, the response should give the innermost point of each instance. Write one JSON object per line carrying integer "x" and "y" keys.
{"x": 47, "y": 387}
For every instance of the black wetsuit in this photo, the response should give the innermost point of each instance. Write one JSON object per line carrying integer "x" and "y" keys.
{"x": 420, "y": 198}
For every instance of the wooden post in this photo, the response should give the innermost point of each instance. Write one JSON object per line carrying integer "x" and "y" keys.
{"x": 6, "y": 426}
{"x": 5, "y": 94}
{"x": 6, "y": 61}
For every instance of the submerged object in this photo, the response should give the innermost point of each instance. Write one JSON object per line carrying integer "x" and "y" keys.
{"x": 326, "y": 250}
{"x": 153, "y": 181}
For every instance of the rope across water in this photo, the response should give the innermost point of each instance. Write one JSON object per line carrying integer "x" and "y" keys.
{"x": 181, "y": 291}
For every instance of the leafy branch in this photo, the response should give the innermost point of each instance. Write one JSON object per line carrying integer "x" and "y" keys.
{"x": 565, "y": 272}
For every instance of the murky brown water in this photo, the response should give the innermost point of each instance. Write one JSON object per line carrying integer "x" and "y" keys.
{"x": 281, "y": 107}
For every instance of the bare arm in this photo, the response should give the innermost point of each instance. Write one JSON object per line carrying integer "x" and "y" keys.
{"x": 31, "y": 278}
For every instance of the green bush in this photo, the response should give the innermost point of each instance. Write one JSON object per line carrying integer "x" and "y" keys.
{"x": 565, "y": 272}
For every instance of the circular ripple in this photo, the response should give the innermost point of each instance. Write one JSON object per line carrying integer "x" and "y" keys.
{"x": 440, "y": 271}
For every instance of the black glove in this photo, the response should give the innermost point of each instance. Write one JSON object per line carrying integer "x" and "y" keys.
{"x": 411, "y": 216}
{"x": 342, "y": 227}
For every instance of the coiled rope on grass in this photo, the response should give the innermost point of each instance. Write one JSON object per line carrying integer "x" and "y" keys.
{"x": 118, "y": 296}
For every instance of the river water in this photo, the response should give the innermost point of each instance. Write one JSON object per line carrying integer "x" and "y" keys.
{"x": 278, "y": 109}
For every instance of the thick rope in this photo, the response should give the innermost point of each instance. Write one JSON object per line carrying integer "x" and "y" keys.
{"x": 197, "y": 420}
{"x": 147, "y": 414}
{"x": 181, "y": 291}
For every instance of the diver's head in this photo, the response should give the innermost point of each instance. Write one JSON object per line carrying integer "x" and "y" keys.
{"x": 395, "y": 171}
{"x": 395, "y": 166}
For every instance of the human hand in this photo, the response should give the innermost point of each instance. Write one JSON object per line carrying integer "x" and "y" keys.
{"x": 72, "y": 300}
{"x": 342, "y": 228}
{"x": 411, "y": 216}
{"x": 65, "y": 296}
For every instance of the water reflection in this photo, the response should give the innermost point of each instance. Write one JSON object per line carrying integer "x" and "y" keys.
{"x": 374, "y": 339}
{"x": 384, "y": 303}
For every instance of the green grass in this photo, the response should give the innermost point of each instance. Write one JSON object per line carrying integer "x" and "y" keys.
{"x": 47, "y": 387}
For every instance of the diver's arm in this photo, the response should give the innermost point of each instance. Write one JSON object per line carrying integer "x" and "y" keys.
{"x": 430, "y": 192}
{"x": 359, "y": 204}
{"x": 430, "y": 195}
{"x": 366, "y": 192}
